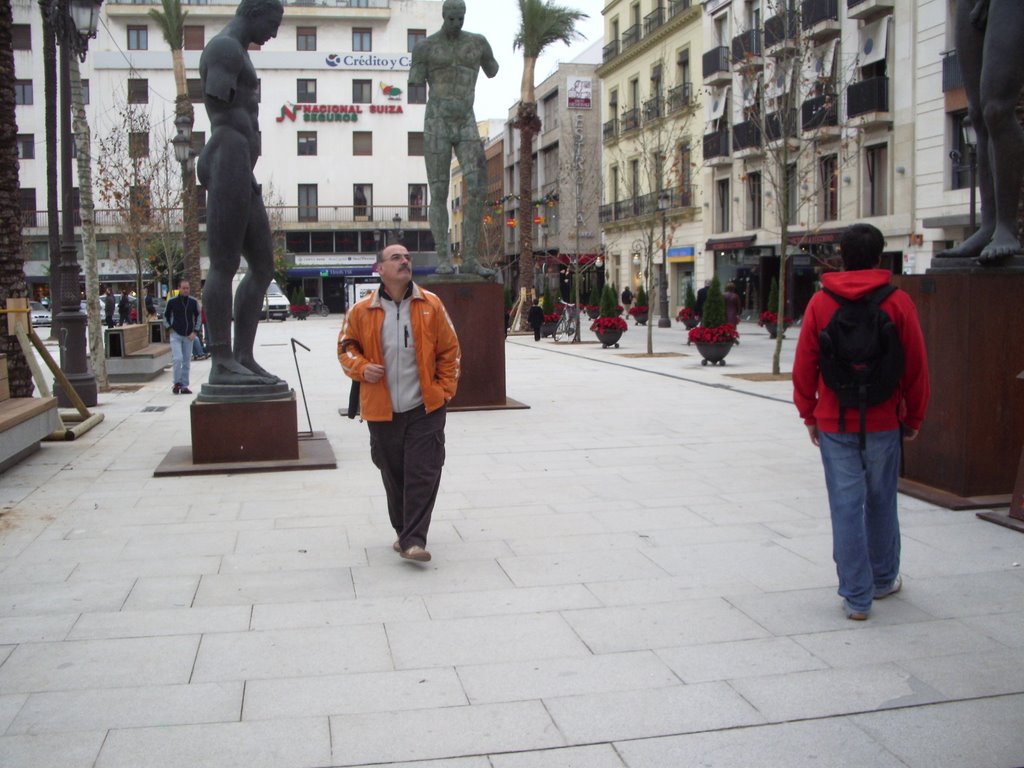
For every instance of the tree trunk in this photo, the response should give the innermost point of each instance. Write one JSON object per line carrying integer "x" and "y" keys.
{"x": 50, "y": 121}
{"x": 83, "y": 142}
{"x": 12, "y": 266}
{"x": 528, "y": 125}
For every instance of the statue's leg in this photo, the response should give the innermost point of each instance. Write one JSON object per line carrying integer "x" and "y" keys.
{"x": 970, "y": 43}
{"x": 1001, "y": 81}
{"x": 438, "y": 157}
{"x": 470, "y": 152}
{"x": 258, "y": 248}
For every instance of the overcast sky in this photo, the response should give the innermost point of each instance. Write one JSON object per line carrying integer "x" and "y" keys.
{"x": 498, "y": 21}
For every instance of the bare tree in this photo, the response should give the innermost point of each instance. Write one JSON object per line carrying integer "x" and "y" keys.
{"x": 790, "y": 131}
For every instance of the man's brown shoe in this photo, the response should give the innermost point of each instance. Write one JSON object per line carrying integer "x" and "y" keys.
{"x": 397, "y": 547}
{"x": 417, "y": 553}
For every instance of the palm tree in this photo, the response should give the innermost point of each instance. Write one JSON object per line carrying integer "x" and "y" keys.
{"x": 12, "y": 264}
{"x": 542, "y": 23}
{"x": 171, "y": 22}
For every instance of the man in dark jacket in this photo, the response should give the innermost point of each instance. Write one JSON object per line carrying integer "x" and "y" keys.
{"x": 108, "y": 307}
{"x": 861, "y": 482}
{"x": 182, "y": 315}
{"x": 702, "y": 296}
{"x": 124, "y": 307}
{"x": 535, "y": 318}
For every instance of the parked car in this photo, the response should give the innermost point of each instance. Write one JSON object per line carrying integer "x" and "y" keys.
{"x": 40, "y": 314}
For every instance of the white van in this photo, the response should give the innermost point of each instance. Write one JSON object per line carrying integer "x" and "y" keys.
{"x": 275, "y": 303}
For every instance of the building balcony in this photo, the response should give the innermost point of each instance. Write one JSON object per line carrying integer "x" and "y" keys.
{"x": 630, "y": 120}
{"x": 865, "y": 10}
{"x": 716, "y": 67}
{"x": 630, "y": 37}
{"x": 820, "y": 19}
{"x": 610, "y": 129}
{"x": 779, "y": 125}
{"x": 680, "y": 97}
{"x": 653, "y": 109}
{"x": 653, "y": 20}
{"x": 782, "y": 33}
{"x": 610, "y": 51}
{"x": 747, "y": 50}
{"x": 746, "y": 139}
{"x": 675, "y": 7}
{"x": 952, "y": 77}
{"x": 645, "y": 205}
{"x": 819, "y": 116}
{"x": 606, "y": 213}
{"x": 867, "y": 102}
{"x": 716, "y": 147}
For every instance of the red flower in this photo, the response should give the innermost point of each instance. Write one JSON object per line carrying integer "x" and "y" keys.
{"x": 686, "y": 314}
{"x": 636, "y": 310}
{"x": 720, "y": 334}
{"x": 771, "y": 318}
{"x": 605, "y": 324}
{"x": 552, "y": 318}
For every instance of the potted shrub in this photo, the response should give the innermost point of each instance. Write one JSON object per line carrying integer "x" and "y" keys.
{"x": 593, "y": 305}
{"x": 714, "y": 337}
{"x": 688, "y": 314}
{"x": 639, "y": 309}
{"x": 769, "y": 319}
{"x": 609, "y": 326}
{"x": 298, "y": 307}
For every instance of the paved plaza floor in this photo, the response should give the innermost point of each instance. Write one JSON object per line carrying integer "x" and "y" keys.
{"x": 636, "y": 571}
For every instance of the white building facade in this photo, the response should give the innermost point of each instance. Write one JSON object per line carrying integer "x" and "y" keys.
{"x": 342, "y": 142}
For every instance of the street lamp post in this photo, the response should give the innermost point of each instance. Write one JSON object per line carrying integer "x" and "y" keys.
{"x": 74, "y": 24}
{"x": 184, "y": 154}
{"x": 664, "y": 321}
{"x": 398, "y": 234}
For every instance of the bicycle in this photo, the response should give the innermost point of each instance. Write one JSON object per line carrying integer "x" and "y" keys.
{"x": 317, "y": 306}
{"x": 567, "y": 322}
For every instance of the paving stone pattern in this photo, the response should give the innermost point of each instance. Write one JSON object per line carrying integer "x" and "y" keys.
{"x": 634, "y": 573}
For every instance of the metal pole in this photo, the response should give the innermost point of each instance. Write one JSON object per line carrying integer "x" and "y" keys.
{"x": 664, "y": 321}
{"x": 74, "y": 361}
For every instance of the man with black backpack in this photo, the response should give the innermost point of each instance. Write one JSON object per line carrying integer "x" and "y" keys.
{"x": 860, "y": 383}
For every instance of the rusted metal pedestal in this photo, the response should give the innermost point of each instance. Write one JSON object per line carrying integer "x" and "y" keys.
{"x": 967, "y": 454}
{"x": 477, "y": 312}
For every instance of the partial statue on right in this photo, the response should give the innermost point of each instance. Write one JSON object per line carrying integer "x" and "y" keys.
{"x": 448, "y": 61}
{"x": 988, "y": 41}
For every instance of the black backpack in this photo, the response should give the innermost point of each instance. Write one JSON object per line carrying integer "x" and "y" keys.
{"x": 861, "y": 354}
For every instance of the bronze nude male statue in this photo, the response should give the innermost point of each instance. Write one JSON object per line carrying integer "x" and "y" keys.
{"x": 448, "y": 61}
{"x": 988, "y": 39}
{"x": 237, "y": 222}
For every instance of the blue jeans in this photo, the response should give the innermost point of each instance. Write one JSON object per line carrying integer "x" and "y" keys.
{"x": 862, "y": 498}
{"x": 181, "y": 355}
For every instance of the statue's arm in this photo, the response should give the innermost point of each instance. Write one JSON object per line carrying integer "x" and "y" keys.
{"x": 487, "y": 61}
{"x": 418, "y": 68}
{"x": 979, "y": 14}
{"x": 224, "y": 62}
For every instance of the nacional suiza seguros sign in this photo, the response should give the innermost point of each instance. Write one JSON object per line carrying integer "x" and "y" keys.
{"x": 334, "y": 113}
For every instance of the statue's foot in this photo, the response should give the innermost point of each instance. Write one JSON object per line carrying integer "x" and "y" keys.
{"x": 251, "y": 365}
{"x": 475, "y": 269}
{"x": 231, "y": 372}
{"x": 445, "y": 269}
{"x": 970, "y": 248}
{"x": 1001, "y": 247}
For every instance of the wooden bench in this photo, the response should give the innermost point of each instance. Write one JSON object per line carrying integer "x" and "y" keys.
{"x": 136, "y": 352}
{"x": 24, "y": 421}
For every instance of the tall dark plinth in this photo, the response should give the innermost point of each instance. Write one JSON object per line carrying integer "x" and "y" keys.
{"x": 967, "y": 454}
{"x": 261, "y": 430}
{"x": 477, "y": 311}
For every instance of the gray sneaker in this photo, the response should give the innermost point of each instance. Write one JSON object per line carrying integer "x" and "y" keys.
{"x": 892, "y": 589}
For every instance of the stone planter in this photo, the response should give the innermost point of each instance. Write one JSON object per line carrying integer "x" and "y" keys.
{"x": 608, "y": 338}
{"x": 547, "y": 330}
{"x": 773, "y": 330}
{"x": 640, "y": 318}
{"x": 714, "y": 353}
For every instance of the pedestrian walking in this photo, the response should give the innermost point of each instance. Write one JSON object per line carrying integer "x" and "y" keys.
{"x": 401, "y": 347}
{"x": 109, "y": 305}
{"x": 182, "y": 316}
{"x": 535, "y": 317}
{"x": 124, "y": 308}
{"x": 855, "y": 405}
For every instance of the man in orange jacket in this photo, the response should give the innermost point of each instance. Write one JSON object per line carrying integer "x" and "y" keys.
{"x": 401, "y": 347}
{"x": 861, "y": 472}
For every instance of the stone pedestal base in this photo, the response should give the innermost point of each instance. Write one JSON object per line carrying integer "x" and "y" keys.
{"x": 264, "y": 430}
{"x": 477, "y": 312}
{"x": 968, "y": 451}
